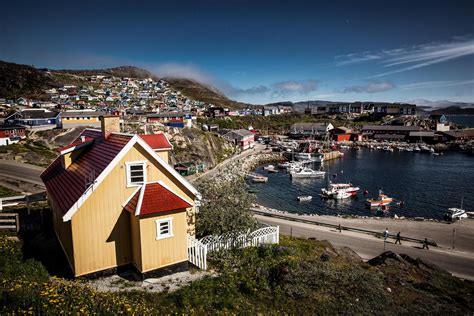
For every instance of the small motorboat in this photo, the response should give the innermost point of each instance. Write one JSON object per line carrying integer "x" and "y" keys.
{"x": 307, "y": 173}
{"x": 305, "y": 198}
{"x": 284, "y": 165}
{"x": 454, "y": 214}
{"x": 269, "y": 167}
{"x": 259, "y": 179}
{"x": 382, "y": 200}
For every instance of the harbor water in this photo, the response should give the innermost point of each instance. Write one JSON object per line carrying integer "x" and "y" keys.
{"x": 427, "y": 184}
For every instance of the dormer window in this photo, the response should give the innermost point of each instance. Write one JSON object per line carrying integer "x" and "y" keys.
{"x": 136, "y": 173}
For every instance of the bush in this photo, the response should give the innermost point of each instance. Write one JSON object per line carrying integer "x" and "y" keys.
{"x": 225, "y": 207}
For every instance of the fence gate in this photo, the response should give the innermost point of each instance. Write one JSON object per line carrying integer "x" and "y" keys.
{"x": 197, "y": 253}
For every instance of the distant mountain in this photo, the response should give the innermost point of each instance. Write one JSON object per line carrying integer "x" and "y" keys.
{"x": 434, "y": 105}
{"x": 205, "y": 93}
{"x": 453, "y": 110}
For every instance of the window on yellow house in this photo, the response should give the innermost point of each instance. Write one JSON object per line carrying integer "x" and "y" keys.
{"x": 136, "y": 173}
{"x": 164, "y": 228}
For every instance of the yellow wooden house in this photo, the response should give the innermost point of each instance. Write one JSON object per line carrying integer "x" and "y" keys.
{"x": 117, "y": 202}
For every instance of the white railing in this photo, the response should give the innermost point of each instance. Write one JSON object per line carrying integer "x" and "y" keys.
{"x": 198, "y": 249}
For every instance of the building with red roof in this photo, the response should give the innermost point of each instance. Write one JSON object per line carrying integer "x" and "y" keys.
{"x": 117, "y": 202}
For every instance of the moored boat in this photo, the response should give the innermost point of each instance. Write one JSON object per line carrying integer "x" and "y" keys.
{"x": 455, "y": 214}
{"x": 342, "y": 190}
{"x": 381, "y": 200}
{"x": 305, "y": 198}
{"x": 307, "y": 173}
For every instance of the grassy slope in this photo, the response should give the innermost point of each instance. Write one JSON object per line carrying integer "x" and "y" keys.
{"x": 296, "y": 277}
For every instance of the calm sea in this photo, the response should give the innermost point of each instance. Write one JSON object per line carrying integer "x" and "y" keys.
{"x": 427, "y": 184}
{"x": 464, "y": 120}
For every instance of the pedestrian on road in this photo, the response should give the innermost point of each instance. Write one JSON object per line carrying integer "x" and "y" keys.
{"x": 340, "y": 230}
{"x": 425, "y": 244}
{"x": 385, "y": 234}
{"x": 398, "y": 239}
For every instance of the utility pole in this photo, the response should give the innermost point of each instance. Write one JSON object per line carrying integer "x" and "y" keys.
{"x": 454, "y": 236}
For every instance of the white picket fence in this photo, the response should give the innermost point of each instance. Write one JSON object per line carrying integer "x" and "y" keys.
{"x": 198, "y": 249}
{"x": 197, "y": 252}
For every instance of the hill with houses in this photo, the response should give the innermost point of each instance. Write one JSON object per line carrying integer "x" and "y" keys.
{"x": 29, "y": 82}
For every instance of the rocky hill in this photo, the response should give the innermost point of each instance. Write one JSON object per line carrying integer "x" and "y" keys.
{"x": 122, "y": 71}
{"x": 22, "y": 80}
{"x": 205, "y": 93}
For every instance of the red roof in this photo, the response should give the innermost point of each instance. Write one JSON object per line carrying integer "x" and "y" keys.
{"x": 66, "y": 186}
{"x": 157, "y": 141}
{"x": 78, "y": 141}
{"x": 156, "y": 199}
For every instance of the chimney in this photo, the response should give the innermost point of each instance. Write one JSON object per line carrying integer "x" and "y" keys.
{"x": 109, "y": 124}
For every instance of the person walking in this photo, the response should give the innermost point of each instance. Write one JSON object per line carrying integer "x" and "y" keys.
{"x": 425, "y": 244}
{"x": 399, "y": 240}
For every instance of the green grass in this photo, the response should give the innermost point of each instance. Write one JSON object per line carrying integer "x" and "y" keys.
{"x": 297, "y": 276}
{"x": 5, "y": 192}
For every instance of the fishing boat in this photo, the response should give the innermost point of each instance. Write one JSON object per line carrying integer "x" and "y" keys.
{"x": 339, "y": 190}
{"x": 382, "y": 200}
{"x": 305, "y": 198}
{"x": 307, "y": 173}
{"x": 341, "y": 194}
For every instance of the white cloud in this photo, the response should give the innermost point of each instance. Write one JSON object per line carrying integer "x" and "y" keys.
{"x": 187, "y": 71}
{"x": 412, "y": 57}
{"x": 371, "y": 87}
{"x": 435, "y": 84}
{"x": 284, "y": 88}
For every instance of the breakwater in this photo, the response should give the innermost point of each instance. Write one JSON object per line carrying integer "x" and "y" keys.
{"x": 240, "y": 168}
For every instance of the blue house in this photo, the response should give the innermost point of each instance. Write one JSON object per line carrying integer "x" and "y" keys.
{"x": 34, "y": 117}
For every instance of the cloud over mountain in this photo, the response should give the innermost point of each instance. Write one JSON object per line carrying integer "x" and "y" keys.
{"x": 371, "y": 87}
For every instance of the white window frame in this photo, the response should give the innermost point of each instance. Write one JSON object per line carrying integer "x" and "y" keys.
{"x": 128, "y": 165}
{"x": 158, "y": 223}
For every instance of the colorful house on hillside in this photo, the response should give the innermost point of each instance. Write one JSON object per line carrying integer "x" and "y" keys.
{"x": 34, "y": 118}
{"x": 242, "y": 137}
{"x": 117, "y": 202}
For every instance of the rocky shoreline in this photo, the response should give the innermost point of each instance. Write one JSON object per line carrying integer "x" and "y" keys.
{"x": 240, "y": 168}
{"x": 348, "y": 216}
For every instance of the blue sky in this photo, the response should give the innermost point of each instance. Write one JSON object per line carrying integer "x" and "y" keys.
{"x": 260, "y": 51}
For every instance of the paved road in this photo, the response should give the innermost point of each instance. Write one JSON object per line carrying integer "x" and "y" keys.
{"x": 21, "y": 171}
{"x": 212, "y": 172}
{"x": 459, "y": 263}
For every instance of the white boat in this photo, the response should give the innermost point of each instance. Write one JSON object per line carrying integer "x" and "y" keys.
{"x": 316, "y": 157}
{"x": 339, "y": 191}
{"x": 284, "y": 165}
{"x": 307, "y": 173}
{"x": 455, "y": 214}
{"x": 305, "y": 198}
{"x": 259, "y": 179}
{"x": 416, "y": 149}
{"x": 342, "y": 195}
{"x": 269, "y": 167}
